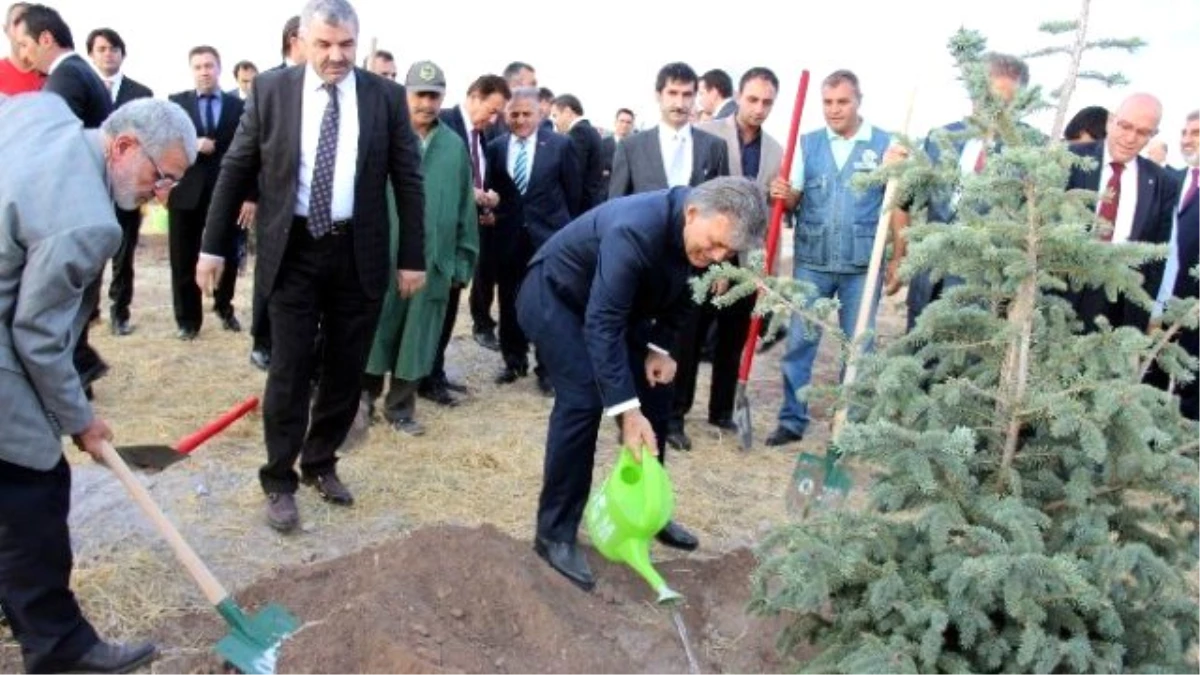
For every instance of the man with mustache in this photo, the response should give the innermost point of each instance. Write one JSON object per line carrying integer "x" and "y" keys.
{"x": 329, "y": 140}
{"x": 53, "y": 241}
{"x": 409, "y": 331}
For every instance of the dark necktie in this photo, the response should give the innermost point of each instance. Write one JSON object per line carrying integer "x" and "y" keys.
{"x": 1110, "y": 201}
{"x": 320, "y": 194}
{"x": 210, "y": 122}
{"x": 1192, "y": 191}
{"x": 475, "y": 159}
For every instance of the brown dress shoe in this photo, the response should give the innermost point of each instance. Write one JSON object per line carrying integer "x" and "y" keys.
{"x": 282, "y": 514}
{"x": 331, "y": 489}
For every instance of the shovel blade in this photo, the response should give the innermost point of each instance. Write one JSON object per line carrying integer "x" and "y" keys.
{"x": 741, "y": 418}
{"x": 818, "y": 484}
{"x": 150, "y": 458}
{"x": 254, "y": 642}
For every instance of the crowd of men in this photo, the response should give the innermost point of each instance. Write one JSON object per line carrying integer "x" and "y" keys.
{"x": 373, "y": 208}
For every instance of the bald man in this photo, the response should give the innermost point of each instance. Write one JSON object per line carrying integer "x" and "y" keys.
{"x": 1136, "y": 204}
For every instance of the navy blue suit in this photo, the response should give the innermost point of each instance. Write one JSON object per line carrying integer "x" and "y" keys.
{"x": 608, "y": 284}
{"x": 525, "y": 221}
{"x": 1187, "y": 250}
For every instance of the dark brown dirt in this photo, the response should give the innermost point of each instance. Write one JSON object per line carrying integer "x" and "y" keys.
{"x": 455, "y": 599}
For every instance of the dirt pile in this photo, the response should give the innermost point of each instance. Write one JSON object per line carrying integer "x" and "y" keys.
{"x": 475, "y": 600}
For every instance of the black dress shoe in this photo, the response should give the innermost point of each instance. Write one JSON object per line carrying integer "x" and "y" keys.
{"x": 487, "y": 340}
{"x": 456, "y": 387}
{"x": 567, "y": 560}
{"x": 187, "y": 334}
{"x": 439, "y": 394}
{"x": 98, "y": 370}
{"x": 114, "y": 657}
{"x": 675, "y": 536}
{"x": 282, "y": 514}
{"x": 331, "y": 489}
{"x": 783, "y": 436}
{"x": 260, "y": 358}
{"x": 679, "y": 440}
{"x": 510, "y": 375}
{"x": 230, "y": 323}
{"x": 545, "y": 386}
{"x": 120, "y": 327}
{"x": 724, "y": 424}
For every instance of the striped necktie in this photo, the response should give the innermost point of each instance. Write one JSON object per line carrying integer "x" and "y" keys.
{"x": 521, "y": 166}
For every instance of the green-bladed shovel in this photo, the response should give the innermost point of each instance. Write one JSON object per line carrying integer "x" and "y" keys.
{"x": 253, "y": 642}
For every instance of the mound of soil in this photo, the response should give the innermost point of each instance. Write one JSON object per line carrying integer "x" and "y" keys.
{"x": 461, "y": 599}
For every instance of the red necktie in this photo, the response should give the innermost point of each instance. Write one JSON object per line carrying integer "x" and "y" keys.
{"x": 981, "y": 160}
{"x": 1110, "y": 200}
{"x": 475, "y": 159}
{"x": 1190, "y": 195}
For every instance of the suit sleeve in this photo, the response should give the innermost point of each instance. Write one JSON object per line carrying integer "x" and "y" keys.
{"x": 467, "y": 242}
{"x": 618, "y": 268}
{"x": 57, "y": 270}
{"x": 404, "y": 167}
{"x": 237, "y": 180}
{"x": 571, "y": 176}
{"x": 620, "y": 183}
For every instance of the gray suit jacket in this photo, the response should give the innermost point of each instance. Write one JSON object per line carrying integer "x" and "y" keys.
{"x": 57, "y": 229}
{"x": 638, "y": 164}
{"x": 772, "y": 151}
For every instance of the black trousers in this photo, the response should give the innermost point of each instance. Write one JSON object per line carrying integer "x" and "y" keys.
{"x": 318, "y": 285}
{"x": 85, "y": 357}
{"x": 185, "y": 234}
{"x": 260, "y": 319}
{"x": 578, "y": 410}
{"x": 35, "y": 568}
{"x": 120, "y": 291}
{"x": 483, "y": 287}
{"x": 732, "y": 326}
{"x": 514, "y": 248}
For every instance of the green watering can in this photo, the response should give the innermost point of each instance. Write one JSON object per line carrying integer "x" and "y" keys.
{"x": 632, "y": 505}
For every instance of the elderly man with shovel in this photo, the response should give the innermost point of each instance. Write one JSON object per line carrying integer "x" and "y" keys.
{"x": 57, "y": 230}
{"x": 602, "y": 300}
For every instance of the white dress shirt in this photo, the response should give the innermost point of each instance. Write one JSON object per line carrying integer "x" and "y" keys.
{"x": 312, "y": 110}
{"x": 1166, "y": 289}
{"x": 1123, "y": 227}
{"x": 113, "y": 83}
{"x": 471, "y": 127}
{"x": 671, "y": 141}
{"x": 514, "y": 147}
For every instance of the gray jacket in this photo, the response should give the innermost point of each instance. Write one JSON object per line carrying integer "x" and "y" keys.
{"x": 57, "y": 229}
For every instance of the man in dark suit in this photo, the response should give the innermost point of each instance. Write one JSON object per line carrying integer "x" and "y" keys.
{"x": 602, "y": 301}
{"x": 486, "y": 98}
{"x": 216, "y": 116}
{"x": 1185, "y": 248}
{"x": 1137, "y": 204}
{"x": 716, "y": 94}
{"x": 622, "y": 128}
{"x": 45, "y": 41}
{"x": 535, "y": 176}
{"x": 567, "y": 112}
{"x": 673, "y": 153}
{"x": 328, "y": 140}
{"x": 107, "y": 51}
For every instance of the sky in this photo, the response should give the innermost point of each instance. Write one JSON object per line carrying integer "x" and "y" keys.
{"x": 613, "y": 54}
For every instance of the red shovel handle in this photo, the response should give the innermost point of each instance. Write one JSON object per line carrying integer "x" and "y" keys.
{"x": 785, "y": 171}
{"x": 192, "y": 441}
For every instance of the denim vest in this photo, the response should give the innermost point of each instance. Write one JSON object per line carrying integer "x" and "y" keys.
{"x": 835, "y": 227}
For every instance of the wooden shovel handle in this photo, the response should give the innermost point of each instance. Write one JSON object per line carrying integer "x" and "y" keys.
{"x": 192, "y": 441}
{"x": 212, "y": 589}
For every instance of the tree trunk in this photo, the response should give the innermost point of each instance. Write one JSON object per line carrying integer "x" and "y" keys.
{"x": 1068, "y": 87}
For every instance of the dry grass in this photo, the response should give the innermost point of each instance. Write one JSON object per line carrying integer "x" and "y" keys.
{"x": 479, "y": 462}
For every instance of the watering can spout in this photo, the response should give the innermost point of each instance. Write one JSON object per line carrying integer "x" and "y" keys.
{"x": 637, "y": 556}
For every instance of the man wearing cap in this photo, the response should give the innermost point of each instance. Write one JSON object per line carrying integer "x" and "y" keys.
{"x": 406, "y": 339}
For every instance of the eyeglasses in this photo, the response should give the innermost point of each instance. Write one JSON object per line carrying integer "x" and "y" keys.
{"x": 165, "y": 181}
{"x": 1129, "y": 128}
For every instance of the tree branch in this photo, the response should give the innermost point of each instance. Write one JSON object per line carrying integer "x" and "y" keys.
{"x": 1068, "y": 86}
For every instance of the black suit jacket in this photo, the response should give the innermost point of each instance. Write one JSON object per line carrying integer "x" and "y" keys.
{"x": 131, "y": 90}
{"x": 1156, "y": 197}
{"x": 620, "y": 267}
{"x": 552, "y": 197}
{"x": 83, "y": 90}
{"x": 638, "y": 164}
{"x": 453, "y": 119}
{"x": 1187, "y": 247}
{"x": 195, "y": 188}
{"x": 589, "y": 157}
{"x": 268, "y": 141}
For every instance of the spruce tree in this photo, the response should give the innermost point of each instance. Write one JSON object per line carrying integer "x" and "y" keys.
{"x": 1034, "y": 505}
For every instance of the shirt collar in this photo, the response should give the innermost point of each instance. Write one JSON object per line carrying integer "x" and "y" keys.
{"x": 862, "y": 135}
{"x": 531, "y": 138}
{"x": 575, "y": 121}
{"x": 346, "y": 87}
{"x": 668, "y": 134}
{"x": 57, "y": 62}
{"x": 1107, "y": 158}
